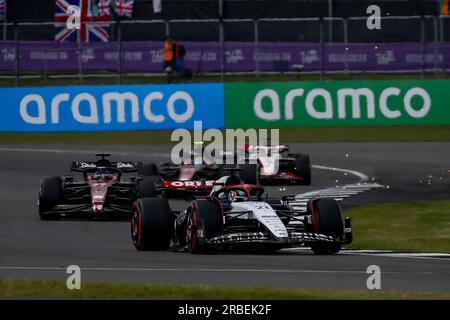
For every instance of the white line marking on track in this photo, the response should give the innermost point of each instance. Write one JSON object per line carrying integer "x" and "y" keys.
{"x": 385, "y": 253}
{"x": 404, "y": 256}
{"x": 338, "y": 193}
{"x": 193, "y": 270}
{"x": 362, "y": 177}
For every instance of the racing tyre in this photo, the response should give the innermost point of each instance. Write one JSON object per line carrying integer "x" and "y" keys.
{"x": 327, "y": 220}
{"x": 149, "y": 170}
{"x": 303, "y": 168}
{"x": 249, "y": 173}
{"x": 146, "y": 188}
{"x": 151, "y": 224}
{"x": 50, "y": 195}
{"x": 204, "y": 222}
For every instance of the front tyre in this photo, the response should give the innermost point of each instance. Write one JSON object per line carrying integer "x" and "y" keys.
{"x": 204, "y": 221}
{"x": 50, "y": 195}
{"x": 327, "y": 220}
{"x": 303, "y": 168}
{"x": 326, "y": 249}
{"x": 151, "y": 224}
{"x": 147, "y": 187}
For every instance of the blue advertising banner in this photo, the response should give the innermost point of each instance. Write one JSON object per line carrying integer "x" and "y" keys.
{"x": 111, "y": 108}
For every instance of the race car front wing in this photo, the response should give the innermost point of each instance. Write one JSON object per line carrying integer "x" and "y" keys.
{"x": 295, "y": 239}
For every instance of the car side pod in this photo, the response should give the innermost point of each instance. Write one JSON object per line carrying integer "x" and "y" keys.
{"x": 348, "y": 233}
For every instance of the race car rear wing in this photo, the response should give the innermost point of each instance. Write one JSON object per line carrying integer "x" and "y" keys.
{"x": 124, "y": 166}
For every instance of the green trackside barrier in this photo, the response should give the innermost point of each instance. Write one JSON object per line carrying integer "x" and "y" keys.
{"x": 337, "y": 103}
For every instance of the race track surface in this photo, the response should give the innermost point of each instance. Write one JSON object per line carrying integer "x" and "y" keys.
{"x": 31, "y": 248}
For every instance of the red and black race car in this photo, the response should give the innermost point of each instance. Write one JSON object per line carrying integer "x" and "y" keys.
{"x": 187, "y": 180}
{"x": 94, "y": 189}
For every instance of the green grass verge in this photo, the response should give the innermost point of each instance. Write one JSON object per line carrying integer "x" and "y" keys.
{"x": 422, "y": 226}
{"x": 328, "y": 134}
{"x": 111, "y": 79}
{"x": 96, "y": 290}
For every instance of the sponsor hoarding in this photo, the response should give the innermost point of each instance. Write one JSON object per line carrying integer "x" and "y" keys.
{"x": 111, "y": 108}
{"x": 337, "y": 103}
{"x": 147, "y": 56}
{"x": 230, "y": 105}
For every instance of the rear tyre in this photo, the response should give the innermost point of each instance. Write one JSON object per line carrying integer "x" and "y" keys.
{"x": 50, "y": 195}
{"x": 303, "y": 168}
{"x": 149, "y": 170}
{"x": 327, "y": 220}
{"x": 249, "y": 173}
{"x": 151, "y": 224}
{"x": 146, "y": 188}
{"x": 203, "y": 215}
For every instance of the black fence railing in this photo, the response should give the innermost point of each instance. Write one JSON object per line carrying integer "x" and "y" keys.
{"x": 270, "y": 45}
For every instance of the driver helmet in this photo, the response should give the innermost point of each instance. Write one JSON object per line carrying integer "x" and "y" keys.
{"x": 233, "y": 196}
{"x": 102, "y": 173}
{"x": 238, "y": 195}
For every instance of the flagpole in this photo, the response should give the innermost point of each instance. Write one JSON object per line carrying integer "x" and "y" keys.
{"x": 5, "y": 12}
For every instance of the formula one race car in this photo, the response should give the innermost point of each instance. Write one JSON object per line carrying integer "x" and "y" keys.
{"x": 188, "y": 179}
{"x": 102, "y": 188}
{"x": 195, "y": 178}
{"x": 238, "y": 216}
{"x": 277, "y": 164}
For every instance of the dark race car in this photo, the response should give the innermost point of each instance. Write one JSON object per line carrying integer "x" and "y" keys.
{"x": 238, "y": 216}
{"x": 279, "y": 166}
{"x": 94, "y": 189}
{"x": 194, "y": 178}
{"x": 188, "y": 179}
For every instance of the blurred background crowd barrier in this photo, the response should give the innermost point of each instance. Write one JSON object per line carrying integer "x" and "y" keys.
{"x": 217, "y": 45}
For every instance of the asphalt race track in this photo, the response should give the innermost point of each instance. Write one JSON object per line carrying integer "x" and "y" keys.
{"x": 31, "y": 248}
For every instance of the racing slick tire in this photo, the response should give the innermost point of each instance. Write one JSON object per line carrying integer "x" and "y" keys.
{"x": 146, "y": 188}
{"x": 150, "y": 169}
{"x": 327, "y": 220}
{"x": 205, "y": 215}
{"x": 50, "y": 195}
{"x": 151, "y": 224}
{"x": 303, "y": 168}
{"x": 249, "y": 173}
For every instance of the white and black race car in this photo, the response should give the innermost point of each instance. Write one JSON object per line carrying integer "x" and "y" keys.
{"x": 238, "y": 216}
{"x": 278, "y": 165}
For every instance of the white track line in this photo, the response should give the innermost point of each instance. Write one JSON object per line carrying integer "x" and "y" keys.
{"x": 338, "y": 193}
{"x": 193, "y": 270}
{"x": 362, "y": 177}
{"x": 384, "y": 253}
{"x": 431, "y": 256}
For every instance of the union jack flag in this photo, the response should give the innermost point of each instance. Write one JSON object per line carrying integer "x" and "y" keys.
{"x": 104, "y": 8}
{"x": 124, "y": 7}
{"x": 92, "y": 28}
